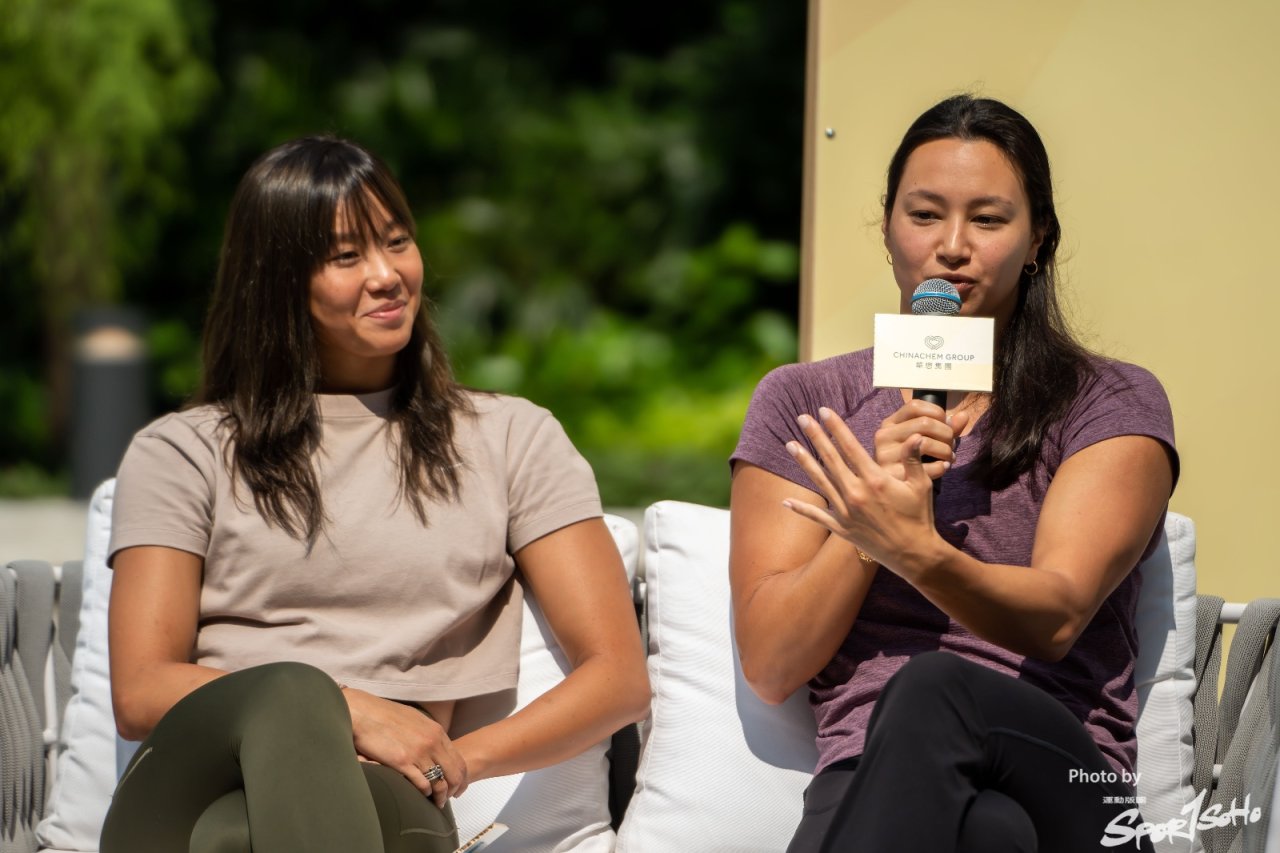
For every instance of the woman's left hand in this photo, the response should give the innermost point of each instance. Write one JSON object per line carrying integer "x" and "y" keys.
{"x": 405, "y": 739}
{"x": 888, "y": 517}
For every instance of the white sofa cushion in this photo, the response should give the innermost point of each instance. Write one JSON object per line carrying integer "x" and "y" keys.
{"x": 1165, "y": 678}
{"x": 561, "y": 808}
{"x": 86, "y": 762}
{"x": 719, "y": 769}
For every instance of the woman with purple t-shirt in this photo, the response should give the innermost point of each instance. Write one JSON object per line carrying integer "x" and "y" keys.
{"x": 969, "y": 650}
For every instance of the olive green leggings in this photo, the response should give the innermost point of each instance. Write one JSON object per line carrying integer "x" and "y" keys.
{"x": 262, "y": 760}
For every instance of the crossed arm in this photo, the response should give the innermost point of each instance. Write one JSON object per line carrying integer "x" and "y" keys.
{"x": 575, "y": 574}
{"x": 799, "y": 580}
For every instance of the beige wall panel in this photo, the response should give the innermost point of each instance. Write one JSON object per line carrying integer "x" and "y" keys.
{"x": 1162, "y": 120}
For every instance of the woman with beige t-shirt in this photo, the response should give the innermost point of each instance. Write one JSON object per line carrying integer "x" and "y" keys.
{"x": 314, "y": 564}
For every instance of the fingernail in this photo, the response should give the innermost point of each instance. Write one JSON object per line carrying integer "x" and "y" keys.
{"x": 793, "y": 447}
{"x": 824, "y": 413}
{"x": 805, "y": 421}
{"x": 787, "y": 503}
{"x": 946, "y": 466}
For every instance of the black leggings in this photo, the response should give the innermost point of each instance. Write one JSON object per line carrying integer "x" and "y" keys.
{"x": 262, "y": 759}
{"x": 961, "y": 758}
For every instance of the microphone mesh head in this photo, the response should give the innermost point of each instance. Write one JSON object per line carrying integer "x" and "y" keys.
{"x": 935, "y": 296}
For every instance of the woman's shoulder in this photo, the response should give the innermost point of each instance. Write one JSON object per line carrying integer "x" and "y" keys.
{"x": 839, "y": 382}
{"x": 491, "y": 409}
{"x": 202, "y": 425}
{"x": 172, "y": 447}
{"x": 505, "y": 424}
{"x": 1110, "y": 377}
{"x": 516, "y": 435}
{"x": 1117, "y": 398}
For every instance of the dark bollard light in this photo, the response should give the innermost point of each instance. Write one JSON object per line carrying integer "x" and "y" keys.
{"x": 108, "y": 393}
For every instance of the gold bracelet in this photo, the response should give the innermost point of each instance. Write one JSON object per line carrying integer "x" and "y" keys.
{"x": 863, "y": 555}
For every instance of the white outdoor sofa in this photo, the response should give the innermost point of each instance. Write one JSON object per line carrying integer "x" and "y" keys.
{"x": 718, "y": 770}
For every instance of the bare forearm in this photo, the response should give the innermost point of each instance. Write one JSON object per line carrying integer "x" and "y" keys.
{"x": 599, "y": 697}
{"x": 1033, "y": 611}
{"x": 142, "y": 695}
{"x": 793, "y": 622}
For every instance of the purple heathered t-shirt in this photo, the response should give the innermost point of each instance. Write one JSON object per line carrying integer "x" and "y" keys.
{"x": 1095, "y": 680}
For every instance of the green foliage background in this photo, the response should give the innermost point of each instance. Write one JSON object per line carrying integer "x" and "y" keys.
{"x": 608, "y": 197}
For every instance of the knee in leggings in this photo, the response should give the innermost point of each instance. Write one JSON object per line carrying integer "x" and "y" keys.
{"x": 925, "y": 678}
{"x": 292, "y": 684}
{"x": 920, "y": 695}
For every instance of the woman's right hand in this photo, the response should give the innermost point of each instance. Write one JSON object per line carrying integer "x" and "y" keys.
{"x": 403, "y": 738}
{"x": 918, "y": 418}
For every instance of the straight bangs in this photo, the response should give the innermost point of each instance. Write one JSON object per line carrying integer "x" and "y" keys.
{"x": 370, "y": 205}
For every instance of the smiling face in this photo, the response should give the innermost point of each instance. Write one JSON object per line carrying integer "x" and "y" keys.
{"x": 363, "y": 301}
{"x": 961, "y": 214}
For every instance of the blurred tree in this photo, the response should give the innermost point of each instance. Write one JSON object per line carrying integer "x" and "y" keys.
{"x": 608, "y": 199}
{"x": 89, "y": 168}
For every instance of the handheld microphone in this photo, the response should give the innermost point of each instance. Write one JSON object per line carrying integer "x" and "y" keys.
{"x": 937, "y": 297}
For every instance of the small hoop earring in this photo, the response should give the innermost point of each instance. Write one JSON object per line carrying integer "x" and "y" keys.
{"x": 888, "y": 257}
{"x": 1031, "y": 273}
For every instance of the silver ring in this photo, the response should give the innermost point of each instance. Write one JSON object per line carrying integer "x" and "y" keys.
{"x": 434, "y": 773}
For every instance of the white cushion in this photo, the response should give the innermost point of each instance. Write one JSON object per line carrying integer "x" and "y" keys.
{"x": 561, "y": 808}
{"x": 1165, "y": 677}
{"x": 719, "y": 769}
{"x": 86, "y": 763}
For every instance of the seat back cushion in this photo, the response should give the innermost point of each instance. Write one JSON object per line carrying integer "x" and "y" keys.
{"x": 719, "y": 769}
{"x": 86, "y": 761}
{"x": 1165, "y": 677}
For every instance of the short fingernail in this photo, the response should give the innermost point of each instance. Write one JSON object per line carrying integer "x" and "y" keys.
{"x": 824, "y": 413}
{"x": 804, "y": 421}
{"x": 946, "y": 466}
{"x": 793, "y": 447}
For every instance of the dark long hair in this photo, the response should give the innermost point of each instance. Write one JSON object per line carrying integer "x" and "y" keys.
{"x": 1040, "y": 367}
{"x": 261, "y": 361}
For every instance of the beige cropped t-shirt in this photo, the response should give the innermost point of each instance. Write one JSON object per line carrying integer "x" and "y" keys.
{"x": 380, "y": 602}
